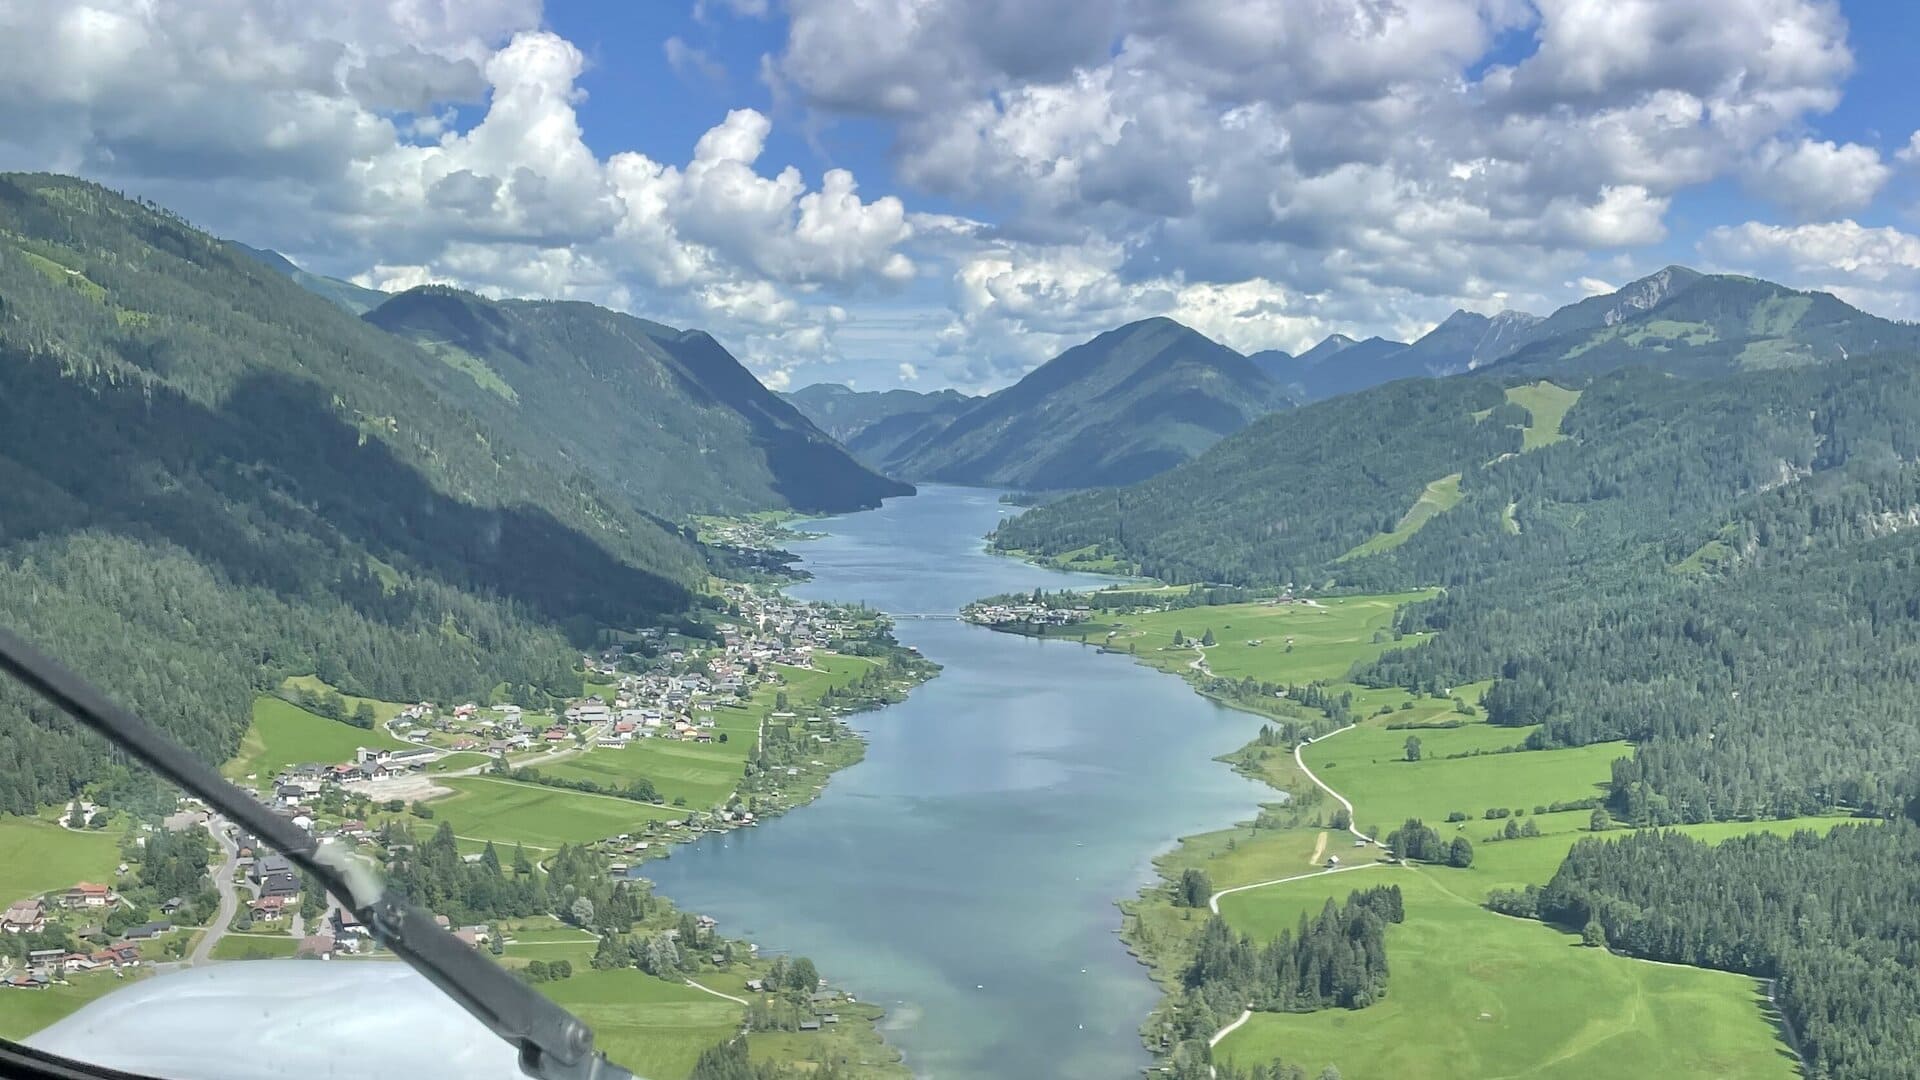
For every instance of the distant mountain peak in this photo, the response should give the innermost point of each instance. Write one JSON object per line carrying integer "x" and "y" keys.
{"x": 1130, "y": 402}
{"x": 1649, "y": 292}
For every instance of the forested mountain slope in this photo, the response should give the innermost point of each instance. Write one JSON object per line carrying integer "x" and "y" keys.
{"x": 874, "y": 424}
{"x": 1675, "y": 320}
{"x": 615, "y": 395}
{"x": 1130, "y": 403}
{"x": 357, "y": 299}
{"x": 1290, "y": 494}
{"x": 211, "y": 478}
{"x": 1692, "y": 556}
{"x": 844, "y": 412}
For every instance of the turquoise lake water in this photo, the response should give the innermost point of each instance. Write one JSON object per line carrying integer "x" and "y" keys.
{"x": 964, "y": 875}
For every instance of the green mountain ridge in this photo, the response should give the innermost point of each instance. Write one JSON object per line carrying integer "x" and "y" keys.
{"x": 1687, "y": 323}
{"x": 357, "y": 299}
{"x": 610, "y": 391}
{"x": 1130, "y": 403}
{"x": 875, "y": 424}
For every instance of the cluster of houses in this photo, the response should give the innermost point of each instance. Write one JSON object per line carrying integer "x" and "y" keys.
{"x": 30, "y": 916}
{"x": 676, "y": 702}
{"x": 305, "y": 780}
{"x": 1026, "y": 612}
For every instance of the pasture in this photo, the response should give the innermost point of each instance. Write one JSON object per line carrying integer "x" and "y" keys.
{"x": 37, "y": 856}
{"x": 1368, "y": 765}
{"x": 1477, "y": 994}
{"x": 1328, "y": 637}
{"x": 23, "y": 1012}
{"x": 507, "y": 812}
{"x": 283, "y": 734}
{"x": 654, "y": 1027}
{"x": 1548, "y": 404}
{"x": 1439, "y": 497}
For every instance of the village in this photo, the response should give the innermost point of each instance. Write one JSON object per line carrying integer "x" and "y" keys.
{"x": 725, "y": 694}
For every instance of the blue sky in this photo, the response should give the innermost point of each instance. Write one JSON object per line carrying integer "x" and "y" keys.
{"x": 946, "y": 192}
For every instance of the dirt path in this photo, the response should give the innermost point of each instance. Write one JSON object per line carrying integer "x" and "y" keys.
{"x": 716, "y": 993}
{"x": 1245, "y": 1015}
{"x": 1213, "y": 902}
{"x": 1319, "y": 849}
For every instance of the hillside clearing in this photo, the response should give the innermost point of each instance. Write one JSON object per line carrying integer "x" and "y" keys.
{"x": 1548, "y": 404}
{"x": 1439, "y": 497}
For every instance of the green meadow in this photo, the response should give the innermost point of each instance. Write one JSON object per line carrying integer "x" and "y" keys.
{"x": 508, "y": 812}
{"x": 1548, "y": 404}
{"x": 1472, "y": 993}
{"x": 1328, "y": 637}
{"x": 37, "y": 856}
{"x": 654, "y": 1027}
{"x": 23, "y": 1012}
{"x": 1368, "y": 765}
{"x": 283, "y": 734}
{"x": 1439, "y": 497}
{"x": 237, "y": 946}
{"x": 383, "y": 711}
{"x": 1477, "y": 994}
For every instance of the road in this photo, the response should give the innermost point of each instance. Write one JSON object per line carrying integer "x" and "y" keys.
{"x": 1212, "y": 902}
{"x": 223, "y": 884}
{"x": 1352, "y": 821}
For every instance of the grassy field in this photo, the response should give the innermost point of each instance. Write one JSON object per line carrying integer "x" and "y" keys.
{"x": 23, "y": 1012}
{"x": 1472, "y": 993}
{"x": 1476, "y": 994}
{"x": 1368, "y": 766}
{"x": 1327, "y": 639}
{"x": 654, "y": 1027}
{"x": 1548, "y": 404}
{"x": 1440, "y": 496}
{"x": 506, "y": 812}
{"x": 255, "y": 947}
{"x": 1515, "y": 864}
{"x": 39, "y": 856}
{"x": 284, "y": 734}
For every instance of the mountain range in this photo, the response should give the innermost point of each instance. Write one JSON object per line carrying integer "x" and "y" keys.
{"x": 1150, "y": 395}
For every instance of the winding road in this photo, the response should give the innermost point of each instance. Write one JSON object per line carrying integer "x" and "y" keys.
{"x": 223, "y": 884}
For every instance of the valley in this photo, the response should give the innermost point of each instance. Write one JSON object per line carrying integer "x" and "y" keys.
{"x": 1556, "y": 670}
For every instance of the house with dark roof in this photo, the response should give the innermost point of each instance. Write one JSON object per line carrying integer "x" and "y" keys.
{"x": 284, "y": 884}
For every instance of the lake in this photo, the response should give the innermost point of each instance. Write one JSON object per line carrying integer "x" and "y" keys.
{"x": 964, "y": 875}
